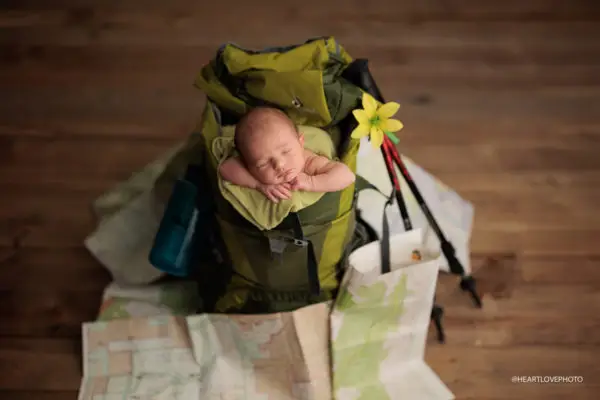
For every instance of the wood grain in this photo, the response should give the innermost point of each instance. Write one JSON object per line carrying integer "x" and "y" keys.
{"x": 53, "y": 364}
{"x": 500, "y": 100}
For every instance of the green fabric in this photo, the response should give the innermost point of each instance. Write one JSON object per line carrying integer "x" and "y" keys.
{"x": 302, "y": 80}
{"x": 270, "y": 282}
{"x": 251, "y": 203}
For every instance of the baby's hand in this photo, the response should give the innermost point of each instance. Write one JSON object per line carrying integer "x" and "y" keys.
{"x": 290, "y": 176}
{"x": 302, "y": 182}
{"x": 276, "y": 192}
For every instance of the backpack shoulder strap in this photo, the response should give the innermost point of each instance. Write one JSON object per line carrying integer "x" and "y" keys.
{"x": 362, "y": 184}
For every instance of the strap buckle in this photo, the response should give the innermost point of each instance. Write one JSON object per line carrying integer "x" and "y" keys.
{"x": 300, "y": 242}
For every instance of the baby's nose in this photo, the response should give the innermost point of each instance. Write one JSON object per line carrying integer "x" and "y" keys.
{"x": 279, "y": 165}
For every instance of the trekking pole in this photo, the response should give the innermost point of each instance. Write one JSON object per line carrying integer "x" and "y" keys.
{"x": 389, "y": 164}
{"x": 437, "y": 311}
{"x": 467, "y": 282}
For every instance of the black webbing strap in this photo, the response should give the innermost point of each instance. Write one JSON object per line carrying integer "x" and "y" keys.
{"x": 313, "y": 270}
{"x": 385, "y": 237}
{"x": 362, "y": 184}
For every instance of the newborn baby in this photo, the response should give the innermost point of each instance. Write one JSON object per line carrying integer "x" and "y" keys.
{"x": 274, "y": 161}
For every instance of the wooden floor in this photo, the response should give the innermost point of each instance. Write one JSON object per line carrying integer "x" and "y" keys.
{"x": 500, "y": 99}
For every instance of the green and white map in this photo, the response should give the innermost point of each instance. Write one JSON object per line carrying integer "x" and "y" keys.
{"x": 369, "y": 344}
{"x": 379, "y": 326}
{"x": 208, "y": 357}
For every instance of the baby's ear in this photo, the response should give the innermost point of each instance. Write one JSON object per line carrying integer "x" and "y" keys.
{"x": 301, "y": 138}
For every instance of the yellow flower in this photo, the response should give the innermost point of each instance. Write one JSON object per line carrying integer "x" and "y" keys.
{"x": 374, "y": 120}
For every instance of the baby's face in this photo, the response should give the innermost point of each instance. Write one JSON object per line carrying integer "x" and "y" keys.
{"x": 276, "y": 155}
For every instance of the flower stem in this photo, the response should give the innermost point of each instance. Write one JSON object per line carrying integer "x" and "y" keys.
{"x": 393, "y": 137}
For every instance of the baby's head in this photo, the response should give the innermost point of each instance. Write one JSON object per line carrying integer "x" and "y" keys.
{"x": 270, "y": 145}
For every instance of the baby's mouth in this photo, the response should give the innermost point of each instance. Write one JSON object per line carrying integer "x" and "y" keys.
{"x": 288, "y": 175}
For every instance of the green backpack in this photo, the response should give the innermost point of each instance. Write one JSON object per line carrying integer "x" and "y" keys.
{"x": 240, "y": 268}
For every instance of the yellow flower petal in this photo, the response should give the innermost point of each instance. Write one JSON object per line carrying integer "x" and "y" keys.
{"x": 376, "y": 137}
{"x": 369, "y": 104}
{"x": 360, "y": 131}
{"x": 361, "y": 116}
{"x": 388, "y": 110}
{"x": 391, "y": 125}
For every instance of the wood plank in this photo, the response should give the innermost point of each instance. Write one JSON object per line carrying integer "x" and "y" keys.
{"x": 452, "y": 103}
{"x": 61, "y": 234}
{"x": 92, "y": 25}
{"x": 47, "y": 312}
{"x": 525, "y": 301}
{"x": 568, "y": 194}
{"x": 424, "y": 74}
{"x": 567, "y": 270}
{"x": 20, "y": 175}
{"x": 503, "y": 211}
{"x": 535, "y": 360}
{"x": 71, "y": 220}
{"x": 107, "y": 109}
{"x": 456, "y": 130}
{"x": 115, "y": 157}
{"x": 159, "y": 66}
{"x": 479, "y": 331}
{"x": 36, "y": 268}
{"x": 516, "y": 157}
{"x": 446, "y": 114}
{"x": 509, "y": 318}
{"x": 535, "y": 242}
{"x": 572, "y": 209}
{"x": 486, "y": 373}
{"x": 56, "y": 58}
{"x": 41, "y": 233}
{"x": 59, "y": 211}
{"x": 46, "y": 217}
{"x": 439, "y": 129}
{"x": 536, "y": 110}
{"x": 68, "y": 159}
{"x": 53, "y": 364}
{"x": 33, "y": 269}
{"x": 411, "y": 10}
{"x": 124, "y": 127}
{"x": 121, "y": 67}
{"x": 541, "y": 269}
{"x": 524, "y": 183}
{"x": 37, "y": 395}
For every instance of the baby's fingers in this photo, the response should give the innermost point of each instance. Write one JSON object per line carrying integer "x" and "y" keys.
{"x": 271, "y": 196}
{"x": 283, "y": 193}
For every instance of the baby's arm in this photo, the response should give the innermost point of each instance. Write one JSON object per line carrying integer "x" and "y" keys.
{"x": 324, "y": 175}
{"x": 234, "y": 171}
